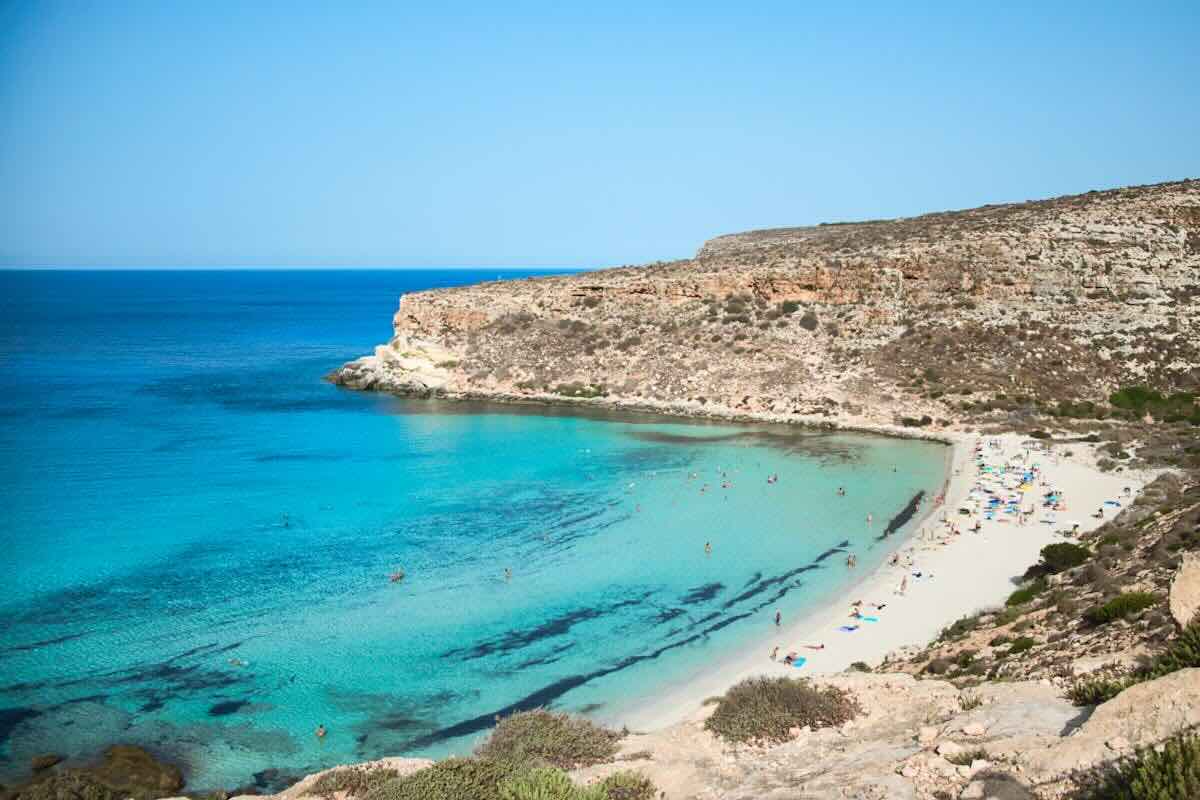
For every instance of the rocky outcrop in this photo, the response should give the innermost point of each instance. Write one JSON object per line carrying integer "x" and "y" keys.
{"x": 1185, "y": 590}
{"x": 1056, "y": 299}
{"x": 1138, "y": 717}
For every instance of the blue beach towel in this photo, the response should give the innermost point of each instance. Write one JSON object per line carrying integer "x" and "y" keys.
{"x": 848, "y": 628}
{"x": 800, "y": 662}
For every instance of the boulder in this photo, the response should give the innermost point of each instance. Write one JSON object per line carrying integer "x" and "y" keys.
{"x": 1142, "y": 715}
{"x": 1185, "y": 590}
{"x": 44, "y": 761}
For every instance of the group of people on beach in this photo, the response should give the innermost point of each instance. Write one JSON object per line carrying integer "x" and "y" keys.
{"x": 1016, "y": 473}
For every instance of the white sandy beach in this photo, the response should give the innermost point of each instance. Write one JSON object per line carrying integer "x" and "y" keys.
{"x": 961, "y": 574}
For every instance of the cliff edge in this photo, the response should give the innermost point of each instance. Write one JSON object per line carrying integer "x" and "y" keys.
{"x": 1055, "y": 300}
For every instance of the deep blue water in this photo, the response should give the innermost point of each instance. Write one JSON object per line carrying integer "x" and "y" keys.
{"x": 198, "y": 531}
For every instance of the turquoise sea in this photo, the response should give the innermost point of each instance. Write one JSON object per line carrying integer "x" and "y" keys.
{"x": 198, "y": 532}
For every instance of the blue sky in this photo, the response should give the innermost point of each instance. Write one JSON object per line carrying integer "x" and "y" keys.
{"x": 526, "y": 134}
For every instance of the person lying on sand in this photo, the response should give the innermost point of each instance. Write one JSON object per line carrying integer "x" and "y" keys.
{"x": 790, "y": 658}
{"x": 814, "y": 646}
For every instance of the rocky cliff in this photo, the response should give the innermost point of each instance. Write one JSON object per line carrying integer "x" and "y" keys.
{"x": 1054, "y": 300}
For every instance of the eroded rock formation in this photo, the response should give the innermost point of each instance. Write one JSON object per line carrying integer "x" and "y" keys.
{"x": 1057, "y": 299}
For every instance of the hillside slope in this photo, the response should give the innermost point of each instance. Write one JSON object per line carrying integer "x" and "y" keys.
{"x": 1055, "y": 300}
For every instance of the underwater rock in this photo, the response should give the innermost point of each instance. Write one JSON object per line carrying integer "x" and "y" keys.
{"x": 44, "y": 761}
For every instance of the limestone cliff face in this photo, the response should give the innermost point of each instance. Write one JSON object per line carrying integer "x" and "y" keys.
{"x": 1057, "y": 299}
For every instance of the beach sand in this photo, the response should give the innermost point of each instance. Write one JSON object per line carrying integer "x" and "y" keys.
{"x": 962, "y": 574}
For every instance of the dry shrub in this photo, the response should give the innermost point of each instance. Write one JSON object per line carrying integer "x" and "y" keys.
{"x": 766, "y": 709}
{"x": 543, "y": 738}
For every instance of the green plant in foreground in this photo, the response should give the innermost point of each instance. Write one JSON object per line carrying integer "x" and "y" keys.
{"x": 1171, "y": 772}
{"x": 354, "y": 781}
{"x": 452, "y": 779}
{"x": 767, "y": 708}
{"x": 544, "y": 738}
{"x": 547, "y": 783}
{"x": 1182, "y": 653}
{"x": 627, "y": 785}
{"x": 1096, "y": 691}
{"x": 1120, "y": 606}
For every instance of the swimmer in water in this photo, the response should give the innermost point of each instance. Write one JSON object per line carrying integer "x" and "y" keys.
{"x": 778, "y": 619}
{"x": 708, "y": 548}
{"x": 320, "y": 731}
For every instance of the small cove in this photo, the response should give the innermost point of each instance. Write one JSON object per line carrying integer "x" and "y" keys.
{"x": 199, "y": 562}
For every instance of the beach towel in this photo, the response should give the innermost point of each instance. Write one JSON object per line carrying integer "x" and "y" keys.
{"x": 800, "y": 662}
{"x": 869, "y": 619}
{"x": 1112, "y": 503}
{"x": 848, "y": 628}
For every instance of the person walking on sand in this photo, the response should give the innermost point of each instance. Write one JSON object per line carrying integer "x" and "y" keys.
{"x": 775, "y": 652}
{"x": 903, "y": 585}
{"x": 778, "y": 618}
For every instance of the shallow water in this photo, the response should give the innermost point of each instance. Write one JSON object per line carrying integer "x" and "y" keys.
{"x": 199, "y": 531}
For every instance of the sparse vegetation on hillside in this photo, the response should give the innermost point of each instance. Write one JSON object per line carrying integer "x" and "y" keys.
{"x": 1168, "y": 772}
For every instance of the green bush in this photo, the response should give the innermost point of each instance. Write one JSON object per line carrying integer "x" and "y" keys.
{"x": 1020, "y": 645}
{"x": 1182, "y": 653}
{"x": 1172, "y": 773}
{"x": 1062, "y": 556}
{"x": 938, "y": 666}
{"x": 1120, "y": 606}
{"x": 452, "y": 779}
{"x": 1095, "y": 691}
{"x": 1026, "y": 593}
{"x": 354, "y": 781}
{"x": 627, "y": 785}
{"x": 767, "y": 708}
{"x": 542, "y": 738}
{"x": 547, "y": 783}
